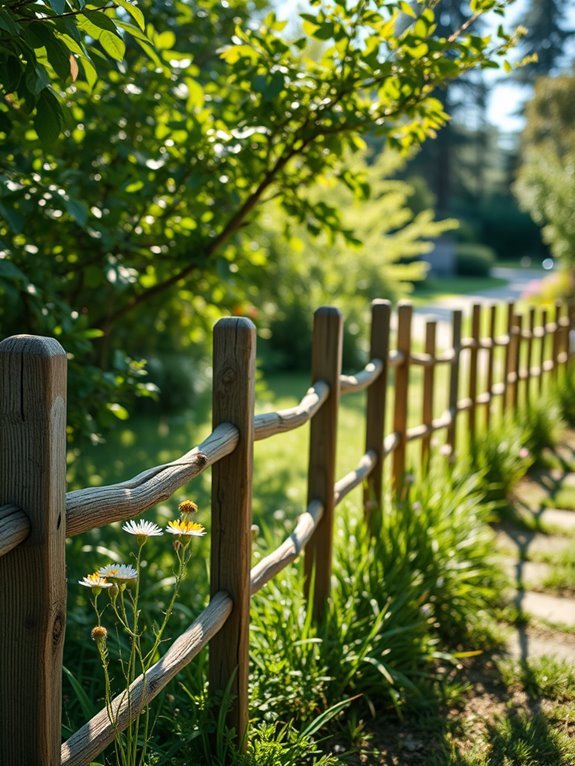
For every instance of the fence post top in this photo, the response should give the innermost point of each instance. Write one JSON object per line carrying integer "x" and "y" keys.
{"x": 238, "y": 322}
{"x": 37, "y": 345}
{"x": 327, "y": 311}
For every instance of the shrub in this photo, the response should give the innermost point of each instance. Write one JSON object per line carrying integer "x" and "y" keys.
{"x": 472, "y": 260}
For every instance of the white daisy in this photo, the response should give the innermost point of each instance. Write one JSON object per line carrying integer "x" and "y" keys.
{"x": 118, "y": 573}
{"x": 142, "y": 529}
{"x": 95, "y": 581}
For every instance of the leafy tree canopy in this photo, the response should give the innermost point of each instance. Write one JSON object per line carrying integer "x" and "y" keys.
{"x": 49, "y": 44}
{"x": 545, "y": 184}
{"x": 142, "y": 219}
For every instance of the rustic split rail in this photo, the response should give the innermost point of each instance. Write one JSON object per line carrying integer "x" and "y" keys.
{"x": 36, "y": 513}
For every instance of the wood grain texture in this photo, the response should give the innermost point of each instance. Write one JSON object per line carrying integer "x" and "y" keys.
{"x": 357, "y": 476}
{"x": 401, "y": 385}
{"x": 32, "y": 575}
{"x": 89, "y": 741}
{"x": 14, "y": 528}
{"x": 376, "y": 410}
{"x": 359, "y": 381}
{"x": 96, "y": 506}
{"x": 326, "y": 365}
{"x": 289, "y": 550}
{"x": 233, "y": 402}
{"x": 456, "y": 322}
{"x": 473, "y": 370}
{"x": 428, "y": 393}
{"x": 272, "y": 423}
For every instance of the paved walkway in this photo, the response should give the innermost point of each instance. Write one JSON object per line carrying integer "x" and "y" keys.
{"x": 520, "y": 283}
{"x": 543, "y": 594}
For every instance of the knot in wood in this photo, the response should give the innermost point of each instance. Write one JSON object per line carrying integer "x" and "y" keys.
{"x": 201, "y": 459}
{"x": 58, "y": 628}
{"x": 228, "y": 376}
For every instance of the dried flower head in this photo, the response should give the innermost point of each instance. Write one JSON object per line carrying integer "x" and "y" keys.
{"x": 99, "y": 634}
{"x": 187, "y": 507}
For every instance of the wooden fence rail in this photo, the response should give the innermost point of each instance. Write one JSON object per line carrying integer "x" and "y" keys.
{"x": 36, "y": 514}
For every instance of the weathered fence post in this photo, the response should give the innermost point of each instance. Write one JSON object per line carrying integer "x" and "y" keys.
{"x": 32, "y": 575}
{"x": 233, "y": 402}
{"x": 401, "y": 385}
{"x": 428, "y": 391}
{"x": 375, "y": 412}
{"x": 556, "y": 343}
{"x": 326, "y": 366}
{"x": 490, "y": 362}
{"x": 473, "y": 364}
{"x": 529, "y": 356}
{"x": 542, "y": 348}
{"x": 507, "y": 359}
{"x": 514, "y": 369}
{"x": 456, "y": 322}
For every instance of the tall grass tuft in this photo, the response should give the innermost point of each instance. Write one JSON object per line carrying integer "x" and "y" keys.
{"x": 501, "y": 457}
{"x": 543, "y": 423}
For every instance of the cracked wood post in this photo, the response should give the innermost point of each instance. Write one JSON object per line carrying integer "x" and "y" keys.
{"x": 375, "y": 413}
{"x": 428, "y": 391}
{"x": 32, "y": 575}
{"x": 325, "y": 365}
{"x": 233, "y": 402}
{"x": 456, "y": 322}
{"x": 473, "y": 371}
{"x": 401, "y": 385}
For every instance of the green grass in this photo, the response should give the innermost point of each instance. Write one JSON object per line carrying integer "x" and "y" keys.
{"x": 444, "y": 287}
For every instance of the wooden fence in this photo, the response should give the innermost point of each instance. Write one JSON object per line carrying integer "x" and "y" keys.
{"x": 36, "y": 513}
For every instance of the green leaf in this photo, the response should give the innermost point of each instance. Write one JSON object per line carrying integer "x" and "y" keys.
{"x": 134, "y": 12}
{"x": 100, "y": 21}
{"x": 58, "y": 6}
{"x": 118, "y": 411}
{"x": 8, "y": 24}
{"x": 113, "y": 45}
{"x": 165, "y": 41}
{"x": 48, "y": 119}
{"x": 11, "y": 71}
{"x": 77, "y": 209}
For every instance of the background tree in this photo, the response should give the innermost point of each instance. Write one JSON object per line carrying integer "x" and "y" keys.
{"x": 544, "y": 43}
{"x": 545, "y": 184}
{"x": 145, "y": 227}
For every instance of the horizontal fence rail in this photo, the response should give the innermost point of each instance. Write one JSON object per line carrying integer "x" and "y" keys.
{"x": 493, "y": 367}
